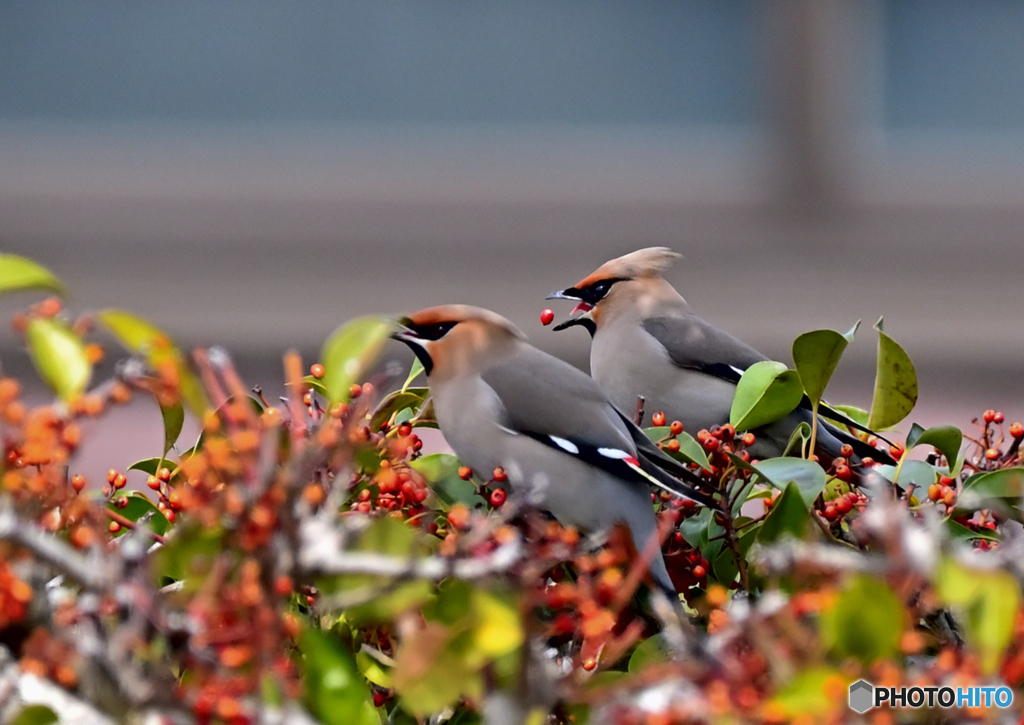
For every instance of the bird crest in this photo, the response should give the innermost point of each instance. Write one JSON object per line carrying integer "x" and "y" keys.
{"x": 648, "y": 262}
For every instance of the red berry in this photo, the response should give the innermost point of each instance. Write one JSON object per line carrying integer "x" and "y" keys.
{"x": 112, "y": 474}
{"x": 404, "y": 430}
{"x": 727, "y": 432}
{"x": 658, "y": 419}
{"x": 500, "y": 475}
{"x": 1017, "y": 430}
{"x": 120, "y": 481}
{"x": 748, "y": 439}
{"x": 316, "y": 370}
{"x": 843, "y": 473}
{"x": 843, "y": 505}
{"x": 497, "y": 497}
{"x": 991, "y": 454}
{"x": 846, "y": 450}
{"x": 989, "y": 415}
{"x": 547, "y": 317}
{"x": 78, "y": 483}
{"x": 702, "y": 435}
{"x": 153, "y": 482}
{"x": 164, "y": 474}
{"x": 465, "y": 473}
{"x": 998, "y": 418}
{"x": 379, "y": 698}
{"x": 867, "y": 462}
{"x": 830, "y": 512}
{"x": 896, "y": 451}
{"x": 699, "y": 572}
{"x": 711, "y": 444}
{"x": 676, "y": 428}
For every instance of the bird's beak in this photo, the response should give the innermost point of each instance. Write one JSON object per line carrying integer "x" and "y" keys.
{"x": 563, "y": 294}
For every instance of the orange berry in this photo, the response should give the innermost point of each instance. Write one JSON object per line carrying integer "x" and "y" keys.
{"x": 49, "y": 307}
{"x": 465, "y": 473}
{"x": 458, "y": 516}
{"x": 1017, "y": 430}
{"x": 499, "y": 475}
{"x": 673, "y": 445}
{"x": 658, "y": 419}
{"x": 317, "y": 371}
{"x": 153, "y": 482}
{"x": 676, "y": 428}
{"x": 991, "y": 454}
{"x": 355, "y": 391}
{"x": 112, "y": 474}
{"x": 935, "y": 492}
{"x": 589, "y": 664}
{"x": 989, "y": 415}
{"x": 164, "y": 474}
{"x": 120, "y": 481}
{"x": 699, "y": 571}
{"x": 114, "y": 527}
{"x": 78, "y": 482}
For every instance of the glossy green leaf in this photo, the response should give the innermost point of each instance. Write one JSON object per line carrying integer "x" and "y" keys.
{"x": 414, "y": 372}
{"x": 961, "y": 532}
{"x": 858, "y": 415}
{"x": 395, "y": 402}
{"x": 34, "y": 715}
{"x": 945, "y": 438}
{"x": 373, "y": 670}
{"x": 651, "y": 651}
{"x": 174, "y": 419}
{"x": 916, "y": 472}
{"x": 349, "y": 352}
{"x": 1006, "y": 483}
{"x": 141, "y": 337}
{"x": 895, "y": 384}
{"x": 808, "y": 476}
{"x": 18, "y": 273}
{"x": 989, "y": 599}
{"x": 442, "y": 473}
{"x": 189, "y": 556}
{"x": 768, "y": 391}
{"x": 866, "y": 621}
{"x": 336, "y": 691}
{"x": 138, "y": 506}
{"x": 59, "y": 356}
{"x": 690, "y": 451}
{"x": 146, "y": 465}
{"x": 789, "y": 515}
{"x": 430, "y": 674}
{"x": 695, "y": 528}
{"x": 815, "y": 357}
{"x": 812, "y": 692}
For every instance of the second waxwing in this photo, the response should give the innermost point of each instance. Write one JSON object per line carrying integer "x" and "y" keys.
{"x": 500, "y": 402}
{"x": 647, "y": 341}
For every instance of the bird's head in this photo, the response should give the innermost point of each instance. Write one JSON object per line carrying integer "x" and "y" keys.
{"x": 451, "y": 339}
{"x": 616, "y": 282}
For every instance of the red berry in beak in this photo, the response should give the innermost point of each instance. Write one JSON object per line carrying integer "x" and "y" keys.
{"x": 547, "y": 317}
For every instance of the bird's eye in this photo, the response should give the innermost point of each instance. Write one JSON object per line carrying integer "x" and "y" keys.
{"x": 433, "y": 331}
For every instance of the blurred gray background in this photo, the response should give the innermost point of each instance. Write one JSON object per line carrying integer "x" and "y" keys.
{"x": 254, "y": 172}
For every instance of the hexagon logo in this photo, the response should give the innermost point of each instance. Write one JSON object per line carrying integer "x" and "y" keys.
{"x": 862, "y": 696}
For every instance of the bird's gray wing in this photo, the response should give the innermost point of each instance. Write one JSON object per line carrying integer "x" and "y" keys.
{"x": 551, "y": 401}
{"x": 694, "y": 344}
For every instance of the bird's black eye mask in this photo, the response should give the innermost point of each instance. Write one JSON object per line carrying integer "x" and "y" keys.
{"x": 432, "y": 331}
{"x": 592, "y": 293}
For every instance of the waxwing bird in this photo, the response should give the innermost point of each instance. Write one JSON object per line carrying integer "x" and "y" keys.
{"x": 647, "y": 341}
{"x": 499, "y": 401}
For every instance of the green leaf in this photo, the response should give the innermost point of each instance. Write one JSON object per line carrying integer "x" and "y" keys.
{"x": 695, "y": 528}
{"x": 812, "y": 692}
{"x": 349, "y": 351}
{"x": 498, "y": 629}
{"x": 34, "y": 715}
{"x": 395, "y": 402}
{"x": 174, "y": 419}
{"x": 373, "y": 670}
{"x": 690, "y": 451}
{"x": 651, "y": 651}
{"x": 945, "y": 438}
{"x": 916, "y": 472}
{"x": 430, "y": 674}
{"x": 865, "y": 622}
{"x": 146, "y": 465}
{"x": 789, "y": 515}
{"x": 138, "y": 506}
{"x": 1001, "y": 490}
{"x": 18, "y": 273}
{"x": 858, "y": 415}
{"x": 895, "y": 384}
{"x": 808, "y": 476}
{"x": 189, "y": 556}
{"x": 815, "y": 357}
{"x": 336, "y": 691}
{"x": 59, "y": 356}
{"x": 143, "y": 338}
{"x": 990, "y": 599}
{"x": 414, "y": 372}
{"x": 961, "y": 532}
{"x": 768, "y": 391}
{"x": 442, "y": 473}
